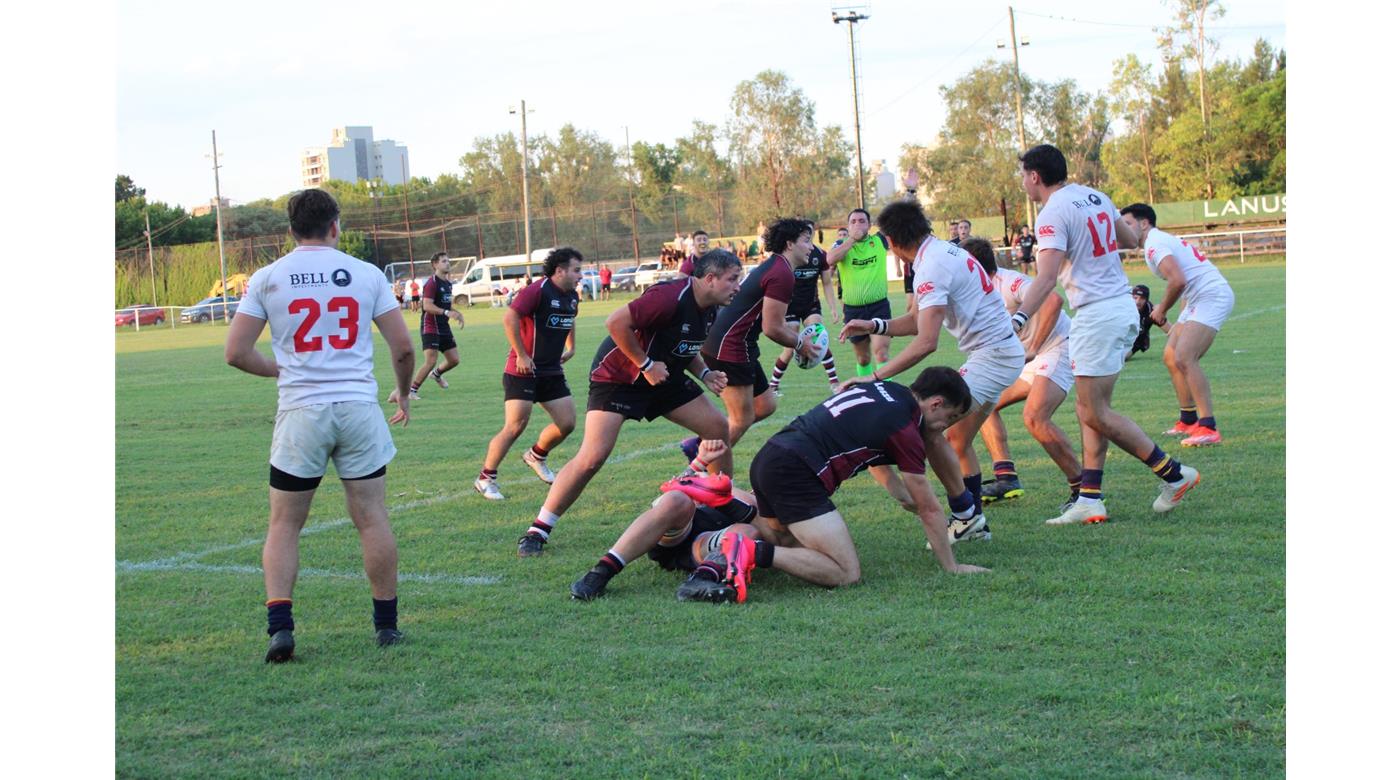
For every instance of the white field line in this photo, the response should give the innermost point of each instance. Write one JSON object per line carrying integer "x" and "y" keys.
{"x": 1256, "y": 312}
{"x": 188, "y": 561}
{"x": 165, "y": 565}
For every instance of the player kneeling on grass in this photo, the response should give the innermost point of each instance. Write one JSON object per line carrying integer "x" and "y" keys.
{"x": 878, "y": 423}
{"x": 539, "y": 325}
{"x": 319, "y": 303}
{"x": 700, "y": 524}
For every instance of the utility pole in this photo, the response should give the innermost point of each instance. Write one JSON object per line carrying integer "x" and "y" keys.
{"x": 407, "y": 229}
{"x": 525, "y": 177}
{"x": 1016, "y": 45}
{"x": 219, "y": 225}
{"x": 850, "y": 19}
{"x": 151, "y": 258}
{"x": 631, "y": 204}
{"x": 374, "y": 185}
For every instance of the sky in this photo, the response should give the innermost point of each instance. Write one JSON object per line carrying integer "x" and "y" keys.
{"x": 274, "y": 78}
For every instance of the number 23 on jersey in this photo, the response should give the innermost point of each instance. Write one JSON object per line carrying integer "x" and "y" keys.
{"x": 347, "y": 307}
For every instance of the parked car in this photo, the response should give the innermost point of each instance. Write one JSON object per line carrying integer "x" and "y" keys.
{"x": 625, "y": 279}
{"x": 652, "y": 273}
{"x": 142, "y": 313}
{"x": 589, "y": 286}
{"x": 208, "y": 309}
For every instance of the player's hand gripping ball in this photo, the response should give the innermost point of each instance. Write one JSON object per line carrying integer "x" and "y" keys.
{"x": 818, "y": 337}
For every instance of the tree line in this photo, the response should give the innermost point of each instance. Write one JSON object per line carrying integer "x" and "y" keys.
{"x": 1178, "y": 129}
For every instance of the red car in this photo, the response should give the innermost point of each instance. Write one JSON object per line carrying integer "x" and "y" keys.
{"x": 148, "y": 315}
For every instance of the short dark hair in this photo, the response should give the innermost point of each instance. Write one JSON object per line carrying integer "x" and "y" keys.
{"x": 863, "y": 211}
{"x": 715, "y": 261}
{"x": 784, "y": 231}
{"x": 437, "y": 256}
{"x": 904, "y": 223}
{"x": 560, "y": 257}
{"x": 981, "y": 249}
{"x": 311, "y": 213}
{"x": 946, "y": 382}
{"x": 967, "y": 222}
{"x": 699, "y": 233}
{"x": 1142, "y": 211}
{"x": 1047, "y": 161}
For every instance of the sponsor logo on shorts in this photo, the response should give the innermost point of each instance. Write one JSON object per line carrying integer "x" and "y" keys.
{"x": 1045, "y": 230}
{"x": 340, "y": 277}
{"x": 924, "y": 288}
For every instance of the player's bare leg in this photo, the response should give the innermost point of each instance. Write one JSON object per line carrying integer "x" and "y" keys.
{"x": 1044, "y": 398}
{"x": 702, "y": 418}
{"x": 740, "y": 406}
{"x": 1189, "y": 342}
{"x": 449, "y": 362}
{"x": 600, "y": 431}
{"x": 430, "y": 358}
{"x": 280, "y": 551}
{"x": 827, "y": 555}
{"x": 563, "y": 418}
{"x": 517, "y": 418}
{"x": 364, "y": 498}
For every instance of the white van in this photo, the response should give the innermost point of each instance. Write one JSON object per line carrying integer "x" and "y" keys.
{"x": 496, "y": 277}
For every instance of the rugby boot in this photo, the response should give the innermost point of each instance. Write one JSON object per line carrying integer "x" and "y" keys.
{"x": 531, "y": 545}
{"x": 739, "y": 552}
{"x": 538, "y": 465}
{"x": 488, "y": 489}
{"x": 972, "y": 528}
{"x": 280, "y": 647}
{"x": 1180, "y": 429}
{"x": 1001, "y": 489}
{"x": 1172, "y": 492}
{"x": 591, "y": 585}
{"x": 710, "y": 490}
{"x": 1086, "y": 512}
{"x": 1203, "y": 437}
{"x": 388, "y": 636}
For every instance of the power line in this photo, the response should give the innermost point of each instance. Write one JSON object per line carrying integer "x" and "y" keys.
{"x": 939, "y": 70}
{"x": 1147, "y": 26}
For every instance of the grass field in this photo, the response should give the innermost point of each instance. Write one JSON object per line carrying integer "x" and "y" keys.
{"x": 1151, "y": 646}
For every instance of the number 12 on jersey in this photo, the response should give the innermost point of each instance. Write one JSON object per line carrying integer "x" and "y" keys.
{"x": 1111, "y": 239}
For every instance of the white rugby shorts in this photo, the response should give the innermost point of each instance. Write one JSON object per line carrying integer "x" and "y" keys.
{"x": 354, "y": 434}
{"x": 1051, "y": 362}
{"x": 1210, "y": 307}
{"x": 1101, "y": 334}
{"x": 990, "y": 370}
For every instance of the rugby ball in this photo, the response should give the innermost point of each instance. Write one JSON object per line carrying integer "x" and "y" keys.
{"x": 813, "y": 334}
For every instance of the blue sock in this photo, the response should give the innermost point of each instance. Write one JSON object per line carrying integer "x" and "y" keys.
{"x": 1207, "y": 422}
{"x": 962, "y": 505}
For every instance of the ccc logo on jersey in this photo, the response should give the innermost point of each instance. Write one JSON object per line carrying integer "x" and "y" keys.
{"x": 924, "y": 288}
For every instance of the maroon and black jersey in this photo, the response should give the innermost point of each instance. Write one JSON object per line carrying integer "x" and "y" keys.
{"x": 734, "y": 336}
{"x": 439, "y": 291}
{"x": 670, "y": 325}
{"x": 806, "y": 277}
{"x": 871, "y": 424}
{"x": 687, "y": 265}
{"x": 546, "y": 318}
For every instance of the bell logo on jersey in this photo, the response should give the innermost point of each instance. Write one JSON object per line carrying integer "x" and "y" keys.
{"x": 924, "y": 288}
{"x": 340, "y": 277}
{"x": 1046, "y": 230}
{"x": 1094, "y": 199}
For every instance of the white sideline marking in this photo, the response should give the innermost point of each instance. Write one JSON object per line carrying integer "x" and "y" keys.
{"x": 168, "y": 565}
{"x": 187, "y": 561}
{"x": 1256, "y": 312}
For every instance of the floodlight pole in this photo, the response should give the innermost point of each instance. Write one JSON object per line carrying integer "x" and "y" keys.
{"x": 631, "y": 203}
{"x": 219, "y": 226}
{"x": 525, "y": 178}
{"x": 151, "y": 258}
{"x": 407, "y": 229}
{"x": 851, "y": 18}
{"x": 1016, "y": 45}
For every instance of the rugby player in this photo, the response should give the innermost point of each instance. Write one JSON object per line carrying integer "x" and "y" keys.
{"x": 1207, "y": 303}
{"x": 732, "y": 344}
{"x": 806, "y": 309}
{"x": 798, "y": 470}
{"x": 434, "y": 329}
{"x": 685, "y": 529}
{"x": 1079, "y": 232}
{"x": 860, "y": 260}
{"x": 1043, "y": 385}
{"x": 638, "y": 372}
{"x": 319, "y": 303}
{"x": 698, "y": 244}
{"x": 953, "y": 291}
{"x": 539, "y": 326}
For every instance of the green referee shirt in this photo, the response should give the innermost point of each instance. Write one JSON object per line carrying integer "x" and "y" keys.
{"x": 863, "y": 272}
